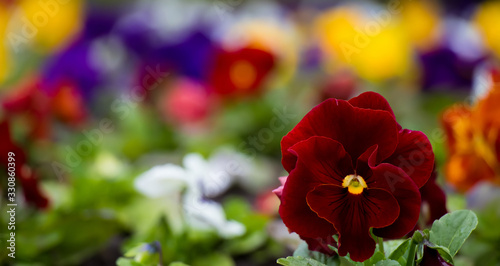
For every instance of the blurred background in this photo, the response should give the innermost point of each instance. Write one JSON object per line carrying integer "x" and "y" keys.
{"x": 147, "y": 131}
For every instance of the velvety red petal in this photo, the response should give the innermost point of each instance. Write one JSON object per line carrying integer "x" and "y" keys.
{"x": 401, "y": 186}
{"x": 414, "y": 155}
{"x": 354, "y": 215}
{"x": 367, "y": 160}
{"x": 435, "y": 198}
{"x": 356, "y": 128}
{"x": 317, "y": 158}
{"x": 371, "y": 100}
{"x": 326, "y": 159}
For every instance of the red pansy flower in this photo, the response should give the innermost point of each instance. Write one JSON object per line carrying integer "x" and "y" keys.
{"x": 240, "y": 72}
{"x": 433, "y": 204}
{"x": 351, "y": 168}
{"x": 433, "y": 201}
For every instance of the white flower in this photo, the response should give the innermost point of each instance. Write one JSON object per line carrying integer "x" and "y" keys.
{"x": 209, "y": 215}
{"x": 162, "y": 181}
{"x": 210, "y": 176}
{"x": 183, "y": 188}
{"x": 225, "y": 167}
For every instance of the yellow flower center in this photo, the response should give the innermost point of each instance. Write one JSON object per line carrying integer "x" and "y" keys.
{"x": 354, "y": 184}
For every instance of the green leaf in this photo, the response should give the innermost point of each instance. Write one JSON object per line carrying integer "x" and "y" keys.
{"x": 453, "y": 229}
{"x": 218, "y": 259}
{"x": 377, "y": 256}
{"x": 303, "y": 251}
{"x": 299, "y": 261}
{"x": 178, "y": 264}
{"x": 135, "y": 250}
{"x": 400, "y": 250}
{"x": 420, "y": 251}
{"x": 127, "y": 262}
{"x": 387, "y": 263}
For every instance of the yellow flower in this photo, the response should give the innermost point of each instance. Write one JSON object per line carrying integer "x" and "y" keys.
{"x": 487, "y": 19}
{"x": 375, "y": 45}
{"x": 421, "y": 20}
{"x": 4, "y": 54}
{"x": 47, "y": 25}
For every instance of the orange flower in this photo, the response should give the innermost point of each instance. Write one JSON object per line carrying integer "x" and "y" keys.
{"x": 473, "y": 135}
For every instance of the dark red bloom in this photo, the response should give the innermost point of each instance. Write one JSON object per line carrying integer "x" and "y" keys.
{"x": 432, "y": 258}
{"x": 433, "y": 201}
{"x": 351, "y": 168}
{"x": 240, "y": 72}
{"x": 433, "y": 204}
{"x": 23, "y": 174}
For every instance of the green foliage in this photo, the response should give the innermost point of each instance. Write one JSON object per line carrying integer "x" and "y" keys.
{"x": 446, "y": 236}
{"x": 400, "y": 251}
{"x": 303, "y": 251}
{"x": 452, "y": 230}
{"x": 256, "y": 236}
{"x": 299, "y": 261}
{"x": 387, "y": 263}
{"x": 128, "y": 262}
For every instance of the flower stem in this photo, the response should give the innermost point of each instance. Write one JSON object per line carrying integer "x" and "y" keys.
{"x": 381, "y": 244}
{"x": 410, "y": 261}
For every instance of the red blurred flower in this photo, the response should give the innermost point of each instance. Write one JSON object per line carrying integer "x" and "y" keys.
{"x": 267, "y": 204}
{"x": 39, "y": 107}
{"x": 351, "y": 168}
{"x": 29, "y": 182}
{"x": 341, "y": 85}
{"x": 240, "y": 72}
{"x": 186, "y": 102}
{"x": 68, "y": 105}
{"x": 28, "y": 100}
